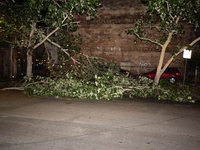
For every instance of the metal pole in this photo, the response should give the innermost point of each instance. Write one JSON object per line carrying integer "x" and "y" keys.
{"x": 196, "y": 76}
{"x": 184, "y": 73}
{"x": 11, "y": 58}
{"x": 8, "y": 67}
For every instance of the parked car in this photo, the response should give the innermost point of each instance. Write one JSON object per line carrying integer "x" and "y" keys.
{"x": 173, "y": 74}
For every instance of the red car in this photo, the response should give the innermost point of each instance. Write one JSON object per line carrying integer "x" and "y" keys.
{"x": 170, "y": 73}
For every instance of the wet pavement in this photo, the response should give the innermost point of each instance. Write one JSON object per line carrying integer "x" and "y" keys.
{"x": 44, "y": 123}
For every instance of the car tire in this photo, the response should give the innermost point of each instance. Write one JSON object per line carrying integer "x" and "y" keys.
{"x": 172, "y": 80}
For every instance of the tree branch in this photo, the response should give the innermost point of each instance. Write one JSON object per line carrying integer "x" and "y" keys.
{"x": 84, "y": 56}
{"x": 33, "y": 29}
{"x": 46, "y": 38}
{"x": 64, "y": 50}
{"x": 77, "y": 22}
{"x": 45, "y": 45}
{"x": 177, "y": 19}
{"x": 180, "y": 51}
{"x": 34, "y": 83}
{"x": 65, "y": 17}
{"x": 148, "y": 40}
{"x": 56, "y": 3}
{"x": 169, "y": 11}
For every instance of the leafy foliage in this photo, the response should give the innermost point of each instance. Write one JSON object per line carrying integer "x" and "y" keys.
{"x": 47, "y": 14}
{"x": 169, "y": 12}
{"x": 91, "y": 66}
{"x": 106, "y": 85}
{"x": 37, "y": 21}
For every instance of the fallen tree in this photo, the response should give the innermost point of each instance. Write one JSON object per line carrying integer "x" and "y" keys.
{"x": 108, "y": 84}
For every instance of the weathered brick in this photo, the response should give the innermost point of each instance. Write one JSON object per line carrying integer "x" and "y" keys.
{"x": 105, "y": 37}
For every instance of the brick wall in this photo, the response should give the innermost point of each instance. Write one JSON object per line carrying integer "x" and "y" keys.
{"x": 105, "y": 37}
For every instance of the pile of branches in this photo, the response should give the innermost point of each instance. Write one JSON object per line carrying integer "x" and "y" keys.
{"x": 100, "y": 79}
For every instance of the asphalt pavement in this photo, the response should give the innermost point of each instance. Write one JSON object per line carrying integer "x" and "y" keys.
{"x": 49, "y": 123}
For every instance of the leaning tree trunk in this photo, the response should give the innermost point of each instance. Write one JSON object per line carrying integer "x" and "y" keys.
{"x": 29, "y": 63}
{"x": 158, "y": 73}
{"x": 162, "y": 55}
{"x": 156, "y": 80}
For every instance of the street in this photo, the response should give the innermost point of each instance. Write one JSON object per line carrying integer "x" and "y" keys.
{"x": 44, "y": 123}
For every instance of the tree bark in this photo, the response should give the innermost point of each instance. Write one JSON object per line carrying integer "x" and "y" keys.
{"x": 30, "y": 51}
{"x": 162, "y": 55}
{"x": 159, "y": 71}
{"x": 29, "y": 63}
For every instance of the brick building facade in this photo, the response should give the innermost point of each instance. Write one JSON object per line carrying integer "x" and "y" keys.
{"x": 105, "y": 37}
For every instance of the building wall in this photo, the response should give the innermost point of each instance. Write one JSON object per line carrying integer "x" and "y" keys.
{"x": 105, "y": 37}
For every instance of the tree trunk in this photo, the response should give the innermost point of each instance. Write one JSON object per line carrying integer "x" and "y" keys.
{"x": 30, "y": 51}
{"x": 158, "y": 74}
{"x": 29, "y": 64}
{"x": 162, "y": 55}
{"x": 157, "y": 78}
